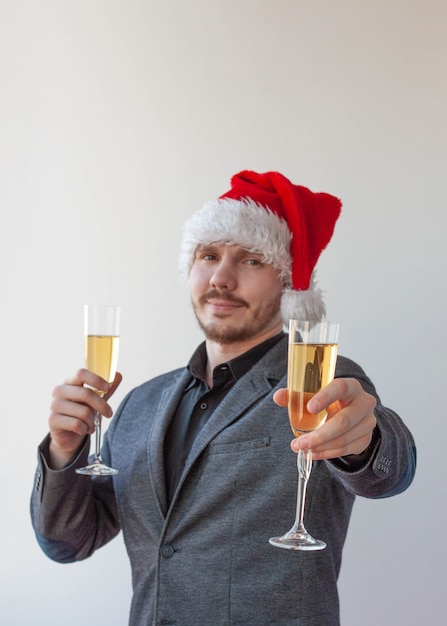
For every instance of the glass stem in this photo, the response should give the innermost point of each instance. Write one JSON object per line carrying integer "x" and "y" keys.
{"x": 304, "y": 465}
{"x": 97, "y": 421}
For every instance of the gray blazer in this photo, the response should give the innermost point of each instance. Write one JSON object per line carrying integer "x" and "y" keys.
{"x": 204, "y": 559}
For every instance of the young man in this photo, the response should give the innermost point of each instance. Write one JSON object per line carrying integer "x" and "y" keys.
{"x": 205, "y": 470}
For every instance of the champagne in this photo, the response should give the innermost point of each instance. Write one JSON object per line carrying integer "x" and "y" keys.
{"x": 101, "y": 341}
{"x": 311, "y": 367}
{"x": 101, "y": 355}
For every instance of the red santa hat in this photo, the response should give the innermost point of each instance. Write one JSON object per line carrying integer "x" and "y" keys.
{"x": 288, "y": 224}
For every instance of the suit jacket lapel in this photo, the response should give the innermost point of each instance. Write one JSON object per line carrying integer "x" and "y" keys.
{"x": 257, "y": 383}
{"x": 165, "y": 411}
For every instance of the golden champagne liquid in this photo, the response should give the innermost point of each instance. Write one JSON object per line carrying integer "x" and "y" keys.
{"x": 101, "y": 355}
{"x": 311, "y": 367}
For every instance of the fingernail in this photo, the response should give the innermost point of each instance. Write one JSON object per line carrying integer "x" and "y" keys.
{"x": 312, "y": 405}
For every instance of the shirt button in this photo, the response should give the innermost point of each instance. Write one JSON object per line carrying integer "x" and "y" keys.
{"x": 203, "y": 405}
{"x": 167, "y": 551}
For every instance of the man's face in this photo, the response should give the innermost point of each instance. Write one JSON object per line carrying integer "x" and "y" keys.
{"x": 235, "y": 296}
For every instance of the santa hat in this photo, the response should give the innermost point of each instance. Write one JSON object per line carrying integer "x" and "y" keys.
{"x": 286, "y": 223}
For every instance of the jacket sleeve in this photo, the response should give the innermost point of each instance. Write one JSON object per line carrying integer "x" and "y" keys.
{"x": 388, "y": 465}
{"x": 72, "y": 515}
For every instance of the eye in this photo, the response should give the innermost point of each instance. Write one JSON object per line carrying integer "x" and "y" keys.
{"x": 253, "y": 261}
{"x": 205, "y": 253}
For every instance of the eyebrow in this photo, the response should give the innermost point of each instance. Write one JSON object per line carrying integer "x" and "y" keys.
{"x": 211, "y": 247}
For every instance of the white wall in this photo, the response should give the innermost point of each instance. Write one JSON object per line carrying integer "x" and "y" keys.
{"x": 117, "y": 120}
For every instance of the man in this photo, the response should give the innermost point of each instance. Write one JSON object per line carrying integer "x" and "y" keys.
{"x": 206, "y": 475}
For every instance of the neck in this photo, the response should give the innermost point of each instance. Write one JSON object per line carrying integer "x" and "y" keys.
{"x": 218, "y": 353}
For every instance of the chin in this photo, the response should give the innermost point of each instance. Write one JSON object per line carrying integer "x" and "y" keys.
{"x": 227, "y": 334}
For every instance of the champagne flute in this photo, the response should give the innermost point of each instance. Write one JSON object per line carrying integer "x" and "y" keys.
{"x": 311, "y": 366}
{"x": 101, "y": 330}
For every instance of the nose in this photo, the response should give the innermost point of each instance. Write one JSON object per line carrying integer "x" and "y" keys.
{"x": 223, "y": 276}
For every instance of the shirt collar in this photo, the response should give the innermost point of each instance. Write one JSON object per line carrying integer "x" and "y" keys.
{"x": 237, "y": 366}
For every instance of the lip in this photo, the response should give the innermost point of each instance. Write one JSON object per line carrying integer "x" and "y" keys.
{"x": 224, "y": 305}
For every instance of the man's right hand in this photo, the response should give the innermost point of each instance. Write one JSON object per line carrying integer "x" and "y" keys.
{"x": 73, "y": 410}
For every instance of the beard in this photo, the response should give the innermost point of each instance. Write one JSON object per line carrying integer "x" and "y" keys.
{"x": 228, "y": 332}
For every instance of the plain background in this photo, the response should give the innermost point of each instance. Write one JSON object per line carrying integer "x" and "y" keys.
{"x": 118, "y": 119}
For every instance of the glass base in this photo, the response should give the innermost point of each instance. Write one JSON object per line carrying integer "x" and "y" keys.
{"x": 97, "y": 469}
{"x": 297, "y": 541}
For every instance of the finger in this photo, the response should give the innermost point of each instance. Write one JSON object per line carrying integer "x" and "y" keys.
{"x": 346, "y": 426}
{"x": 353, "y": 441}
{"x": 341, "y": 390}
{"x": 80, "y": 395}
{"x": 63, "y": 426}
{"x": 66, "y": 414}
{"x": 349, "y": 405}
{"x": 343, "y": 434}
{"x": 355, "y": 447}
{"x": 85, "y": 377}
{"x": 280, "y": 397}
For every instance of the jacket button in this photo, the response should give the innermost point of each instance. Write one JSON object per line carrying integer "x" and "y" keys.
{"x": 37, "y": 480}
{"x": 167, "y": 551}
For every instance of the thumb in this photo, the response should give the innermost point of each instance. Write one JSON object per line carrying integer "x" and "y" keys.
{"x": 114, "y": 385}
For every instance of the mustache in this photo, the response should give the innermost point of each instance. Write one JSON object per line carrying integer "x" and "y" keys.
{"x": 224, "y": 296}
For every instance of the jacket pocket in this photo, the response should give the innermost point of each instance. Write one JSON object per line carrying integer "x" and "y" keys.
{"x": 239, "y": 446}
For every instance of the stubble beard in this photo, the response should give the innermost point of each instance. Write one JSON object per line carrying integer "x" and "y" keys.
{"x": 226, "y": 333}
